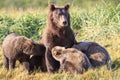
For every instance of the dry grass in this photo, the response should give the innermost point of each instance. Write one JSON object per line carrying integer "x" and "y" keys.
{"x": 17, "y": 13}
{"x": 96, "y": 74}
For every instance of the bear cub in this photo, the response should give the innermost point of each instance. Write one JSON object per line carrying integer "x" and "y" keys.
{"x": 71, "y": 60}
{"x": 20, "y": 48}
{"x": 97, "y": 54}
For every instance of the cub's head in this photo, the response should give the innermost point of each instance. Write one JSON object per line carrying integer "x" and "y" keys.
{"x": 59, "y": 16}
{"x": 58, "y": 53}
{"x": 32, "y": 48}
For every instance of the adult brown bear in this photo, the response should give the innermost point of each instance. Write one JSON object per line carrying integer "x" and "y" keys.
{"x": 20, "y": 48}
{"x": 97, "y": 54}
{"x": 57, "y": 33}
{"x": 71, "y": 60}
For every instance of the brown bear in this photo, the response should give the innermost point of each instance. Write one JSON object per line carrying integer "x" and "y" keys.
{"x": 57, "y": 33}
{"x": 71, "y": 60}
{"x": 20, "y": 48}
{"x": 97, "y": 54}
{"x": 38, "y": 63}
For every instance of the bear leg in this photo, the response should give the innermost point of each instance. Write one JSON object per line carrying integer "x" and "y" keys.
{"x": 51, "y": 63}
{"x": 43, "y": 64}
{"x": 26, "y": 66}
{"x": 6, "y": 62}
{"x": 12, "y": 63}
{"x": 25, "y": 62}
{"x": 61, "y": 69}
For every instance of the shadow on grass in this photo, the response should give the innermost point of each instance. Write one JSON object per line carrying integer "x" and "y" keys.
{"x": 116, "y": 64}
{"x": 1, "y": 65}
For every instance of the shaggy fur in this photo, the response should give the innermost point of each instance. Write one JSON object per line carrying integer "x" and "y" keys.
{"x": 38, "y": 63}
{"x": 97, "y": 54}
{"x": 71, "y": 60}
{"x": 19, "y": 48}
{"x": 57, "y": 33}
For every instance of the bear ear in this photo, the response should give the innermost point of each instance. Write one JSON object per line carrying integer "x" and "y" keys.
{"x": 54, "y": 51}
{"x": 52, "y": 7}
{"x": 67, "y": 6}
{"x": 27, "y": 47}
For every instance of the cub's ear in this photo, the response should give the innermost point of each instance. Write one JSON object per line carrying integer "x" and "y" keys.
{"x": 67, "y": 6}
{"x": 54, "y": 51}
{"x": 27, "y": 46}
{"x": 51, "y": 7}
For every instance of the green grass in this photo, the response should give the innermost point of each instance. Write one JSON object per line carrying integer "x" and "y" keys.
{"x": 101, "y": 24}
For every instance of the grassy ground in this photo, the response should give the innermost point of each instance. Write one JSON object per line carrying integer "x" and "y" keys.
{"x": 96, "y": 74}
{"x": 99, "y": 24}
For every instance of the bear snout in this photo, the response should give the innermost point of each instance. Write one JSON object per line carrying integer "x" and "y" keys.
{"x": 63, "y": 21}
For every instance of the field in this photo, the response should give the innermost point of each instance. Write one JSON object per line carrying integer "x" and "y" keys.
{"x": 100, "y": 23}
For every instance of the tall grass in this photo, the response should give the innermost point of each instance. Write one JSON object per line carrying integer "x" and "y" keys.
{"x": 101, "y": 23}
{"x": 28, "y": 25}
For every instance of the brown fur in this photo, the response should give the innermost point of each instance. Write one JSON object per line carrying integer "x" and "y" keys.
{"x": 19, "y": 48}
{"x": 57, "y": 33}
{"x": 38, "y": 63}
{"x": 71, "y": 60}
{"x": 97, "y": 55}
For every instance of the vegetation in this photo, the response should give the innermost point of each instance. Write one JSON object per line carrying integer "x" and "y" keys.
{"x": 99, "y": 23}
{"x": 40, "y": 3}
